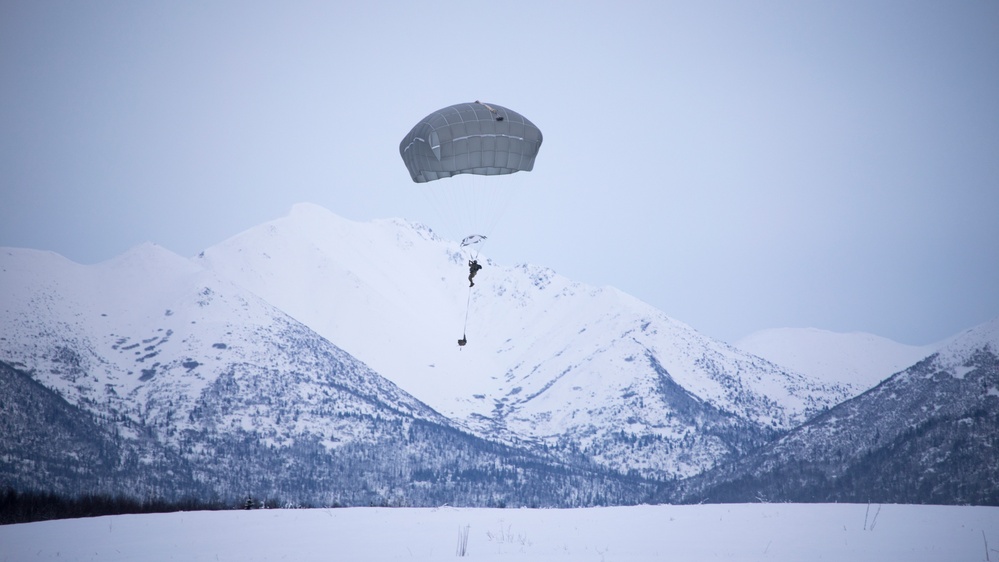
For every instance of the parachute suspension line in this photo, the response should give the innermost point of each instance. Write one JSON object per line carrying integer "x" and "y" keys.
{"x": 446, "y": 209}
{"x": 475, "y": 248}
{"x": 468, "y": 306}
{"x": 469, "y": 204}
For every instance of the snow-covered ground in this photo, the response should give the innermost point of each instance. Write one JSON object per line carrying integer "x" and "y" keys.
{"x": 782, "y": 532}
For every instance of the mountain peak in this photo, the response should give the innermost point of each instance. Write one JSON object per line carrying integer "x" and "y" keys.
{"x": 545, "y": 357}
{"x": 306, "y": 211}
{"x": 858, "y": 359}
{"x": 147, "y": 255}
{"x": 984, "y": 336}
{"x": 306, "y": 207}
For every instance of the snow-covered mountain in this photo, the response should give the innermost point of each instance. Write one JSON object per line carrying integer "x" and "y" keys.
{"x": 149, "y": 323}
{"x": 183, "y": 382}
{"x": 858, "y": 360}
{"x": 314, "y": 357}
{"x": 928, "y": 434}
{"x": 548, "y": 360}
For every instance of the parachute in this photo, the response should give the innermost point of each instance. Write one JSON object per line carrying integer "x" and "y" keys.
{"x": 472, "y": 240}
{"x": 472, "y": 140}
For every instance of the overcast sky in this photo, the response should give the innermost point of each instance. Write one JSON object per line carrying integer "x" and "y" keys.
{"x": 739, "y": 165}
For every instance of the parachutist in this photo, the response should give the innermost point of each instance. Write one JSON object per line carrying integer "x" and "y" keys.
{"x": 477, "y": 138}
{"x": 473, "y": 268}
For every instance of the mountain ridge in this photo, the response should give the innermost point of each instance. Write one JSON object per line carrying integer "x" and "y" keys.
{"x": 194, "y": 385}
{"x": 522, "y": 321}
{"x": 234, "y": 357}
{"x": 927, "y": 434}
{"x": 858, "y": 359}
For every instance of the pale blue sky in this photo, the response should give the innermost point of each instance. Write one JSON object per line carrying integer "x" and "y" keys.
{"x": 739, "y": 165}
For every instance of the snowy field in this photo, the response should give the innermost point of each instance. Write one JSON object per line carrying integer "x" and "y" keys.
{"x": 784, "y": 532}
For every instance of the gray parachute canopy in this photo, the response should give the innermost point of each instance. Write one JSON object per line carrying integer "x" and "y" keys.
{"x": 470, "y": 138}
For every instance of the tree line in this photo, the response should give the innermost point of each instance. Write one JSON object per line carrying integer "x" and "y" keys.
{"x": 27, "y": 506}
